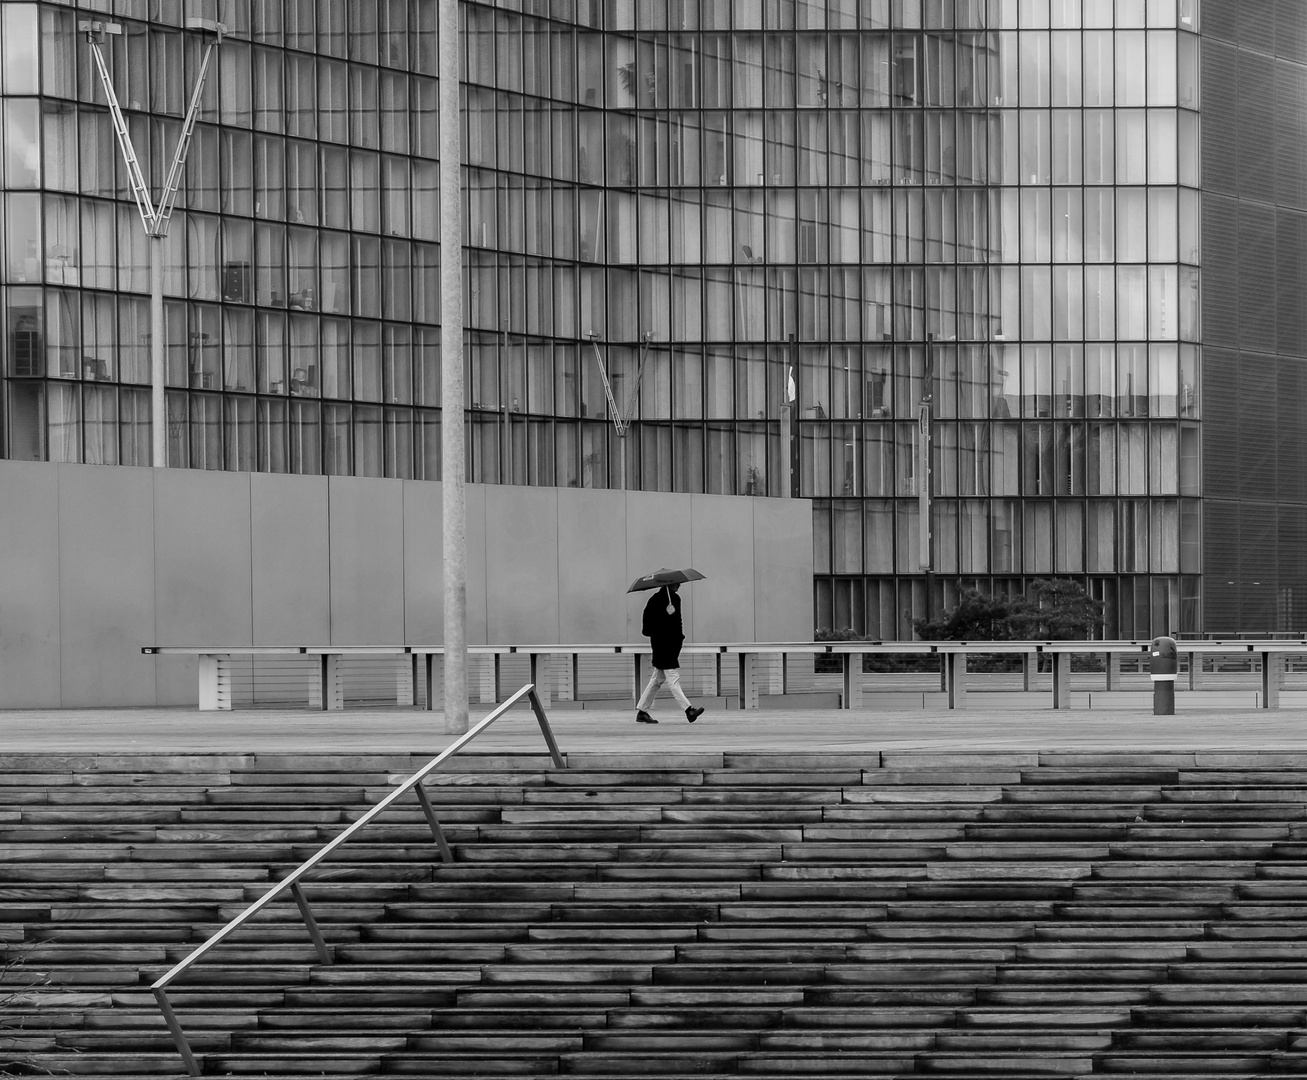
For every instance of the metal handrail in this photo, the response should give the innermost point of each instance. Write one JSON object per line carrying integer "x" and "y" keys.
{"x": 291, "y": 881}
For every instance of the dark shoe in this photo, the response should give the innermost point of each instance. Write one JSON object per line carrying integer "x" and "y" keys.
{"x": 643, "y": 717}
{"x": 693, "y": 713}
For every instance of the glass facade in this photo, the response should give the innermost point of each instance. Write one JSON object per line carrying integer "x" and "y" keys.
{"x": 817, "y": 213}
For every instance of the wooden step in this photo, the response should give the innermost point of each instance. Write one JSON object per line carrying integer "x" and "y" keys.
{"x": 1015, "y": 914}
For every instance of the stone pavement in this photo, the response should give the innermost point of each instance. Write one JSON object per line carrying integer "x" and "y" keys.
{"x": 610, "y": 730}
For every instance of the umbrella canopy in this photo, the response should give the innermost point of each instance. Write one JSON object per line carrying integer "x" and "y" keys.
{"x": 662, "y": 577}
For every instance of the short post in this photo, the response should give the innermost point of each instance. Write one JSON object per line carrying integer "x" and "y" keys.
{"x": 639, "y": 675}
{"x": 712, "y": 679}
{"x": 546, "y": 730}
{"x": 178, "y": 1036}
{"x": 1163, "y": 666}
{"x": 215, "y": 682}
{"x": 1272, "y": 671}
{"x": 329, "y": 681}
{"x": 565, "y": 676}
{"x": 437, "y": 834}
{"x": 955, "y": 667}
{"x": 406, "y": 679}
{"x": 434, "y": 676}
{"x": 852, "y": 679}
{"x": 486, "y": 679}
{"x": 319, "y": 944}
{"x": 541, "y": 670}
{"x": 1061, "y": 680}
{"x": 748, "y": 684}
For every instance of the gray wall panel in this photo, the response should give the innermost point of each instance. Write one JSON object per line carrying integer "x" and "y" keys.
{"x": 290, "y": 560}
{"x": 592, "y": 566}
{"x": 424, "y": 571}
{"x": 782, "y": 542}
{"x": 351, "y": 561}
{"x": 658, "y": 533}
{"x": 367, "y": 560}
{"x": 202, "y": 557}
{"x": 521, "y": 543}
{"x": 29, "y": 586}
{"x": 475, "y": 510}
{"x": 722, "y": 548}
{"x": 106, "y": 585}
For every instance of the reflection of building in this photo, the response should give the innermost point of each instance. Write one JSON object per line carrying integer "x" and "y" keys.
{"x": 794, "y": 187}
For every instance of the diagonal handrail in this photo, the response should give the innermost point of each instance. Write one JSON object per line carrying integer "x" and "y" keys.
{"x": 291, "y": 881}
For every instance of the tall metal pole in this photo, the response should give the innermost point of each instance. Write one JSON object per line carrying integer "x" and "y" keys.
{"x": 451, "y": 381}
{"x": 923, "y": 468}
{"x": 159, "y": 417}
{"x": 155, "y": 219}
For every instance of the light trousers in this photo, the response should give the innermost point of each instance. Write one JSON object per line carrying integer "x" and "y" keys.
{"x": 669, "y": 677}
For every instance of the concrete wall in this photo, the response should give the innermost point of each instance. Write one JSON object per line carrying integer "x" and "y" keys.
{"x": 96, "y": 562}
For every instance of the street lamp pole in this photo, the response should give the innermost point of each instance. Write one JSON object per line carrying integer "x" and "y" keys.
{"x": 923, "y": 467}
{"x": 155, "y": 219}
{"x": 453, "y": 450}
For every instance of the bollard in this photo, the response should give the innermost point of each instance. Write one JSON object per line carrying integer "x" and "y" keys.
{"x": 1164, "y": 665}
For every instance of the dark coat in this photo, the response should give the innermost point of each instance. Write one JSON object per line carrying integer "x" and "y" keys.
{"x": 663, "y": 629}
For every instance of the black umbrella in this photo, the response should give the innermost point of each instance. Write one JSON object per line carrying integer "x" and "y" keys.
{"x": 662, "y": 577}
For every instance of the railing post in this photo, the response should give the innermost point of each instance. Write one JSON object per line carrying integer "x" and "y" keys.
{"x": 546, "y": 730}
{"x": 1061, "y": 680}
{"x": 712, "y": 681}
{"x": 541, "y": 677}
{"x": 330, "y": 690}
{"x": 215, "y": 682}
{"x": 852, "y": 663}
{"x": 1112, "y": 677}
{"x": 434, "y": 674}
{"x": 446, "y": 854}
{"x": 301, "y": 901}
{"x": 564, "y": 673}
{"x": 178, "y": 1036}
{"x": 638, "y": 677}
{"x": 1272, "y": 670}
{"x": 487, "y": 678}
{"x": 955, "y": 664}
{"x": 406, "y": 680}
{"x": 748, "y": 680}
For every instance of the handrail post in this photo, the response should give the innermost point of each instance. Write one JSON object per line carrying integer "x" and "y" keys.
{"x": 446, "y": 855}
{"x": 301, "y": 901}
{"x": 178, "y": 1036}
{"x": 545, "y": 729}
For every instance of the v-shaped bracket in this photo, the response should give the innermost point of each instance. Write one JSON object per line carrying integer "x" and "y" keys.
{"x": 155, "y": 219}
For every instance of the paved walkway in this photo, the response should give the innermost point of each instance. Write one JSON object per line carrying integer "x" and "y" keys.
{"x": 614, "y": 731}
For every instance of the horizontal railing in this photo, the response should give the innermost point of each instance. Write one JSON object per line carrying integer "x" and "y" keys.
{"x": 743, "y": 665}
{"x": 292, "y": 880}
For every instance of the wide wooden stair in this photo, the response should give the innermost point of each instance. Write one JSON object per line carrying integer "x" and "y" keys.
{"x": 769, "y": 915}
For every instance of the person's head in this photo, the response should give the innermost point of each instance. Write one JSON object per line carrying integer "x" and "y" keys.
{"x": 674, "y": 587}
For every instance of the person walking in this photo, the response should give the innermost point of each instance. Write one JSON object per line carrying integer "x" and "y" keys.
{"x": 662, "y": 626}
